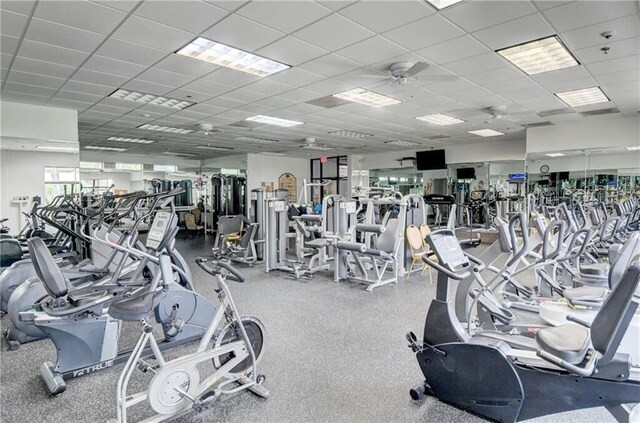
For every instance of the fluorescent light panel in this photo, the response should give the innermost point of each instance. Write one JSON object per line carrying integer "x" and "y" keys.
{"x": 440, "y": 119}
{"x": 54, "y": 148}
{"x": 130, "y": 140}
{"x": 583, "y": 97}
{"x": 402, "y": 143}
{"x": 366, "y": 97}
{"x": 160, "y": 128}
{"x": 274, "y": 121}
{"x": 441, "y": 4}
{"x": 349, "y": 134}
{"x": 171, "y": 153}
{"x": 317, "y": 147}
{"x": 156, "y": 100}
{"x": 229, "y": 57}
{"x": 486, "y": 132}
{"x": 269, "y": 153}
{"x": 539, "y": 56}
{"x": 636, "y": 148}
{"x": 257, "y": 140}
{"x": 212, "y": 147}
{"x": 98, "y": 147}
{"x": 555, "y": 154}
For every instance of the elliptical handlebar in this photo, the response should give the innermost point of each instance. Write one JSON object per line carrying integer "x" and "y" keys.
{"x": 213, "y": 269}
{"x": 548, "y": 233}
{"x": 572, "y": 252}
{"x": 518, "y": 253}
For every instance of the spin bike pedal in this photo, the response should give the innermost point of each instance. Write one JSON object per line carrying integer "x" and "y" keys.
{"x": 206, "y": 400}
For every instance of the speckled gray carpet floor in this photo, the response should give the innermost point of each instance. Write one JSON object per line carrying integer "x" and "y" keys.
{"x": 334, "y": 353}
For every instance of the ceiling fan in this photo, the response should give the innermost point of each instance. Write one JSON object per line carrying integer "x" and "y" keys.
{"x": 403, "y": 73}
{"x": 207, "y": 129}
{"x": 499, "y": 113}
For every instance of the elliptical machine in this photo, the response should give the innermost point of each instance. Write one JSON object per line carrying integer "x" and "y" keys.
{"x": 574, "y": 366}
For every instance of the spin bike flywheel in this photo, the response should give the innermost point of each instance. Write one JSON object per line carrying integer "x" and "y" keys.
{"x": 231, "y": 333}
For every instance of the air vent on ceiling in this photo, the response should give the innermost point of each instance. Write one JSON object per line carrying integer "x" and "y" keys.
{"x": 536, "y": 124}
{"x": 349, "y": 134}
{"x": 600, "y": 112}
{"x": 555, "y": 112}
{"x": 438, "y": 137}
{"x": 328, "y": 102}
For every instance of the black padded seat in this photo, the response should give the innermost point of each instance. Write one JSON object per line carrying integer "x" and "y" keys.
{"x": 595, "y": 269}
{"x": 568, "y": 342}
{"x": 586, "y": 293}
{"x": 135, "y": 308}
{"x": 10, "y": 252}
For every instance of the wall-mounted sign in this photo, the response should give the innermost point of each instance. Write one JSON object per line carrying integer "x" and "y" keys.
{"x": 288, "y": 181}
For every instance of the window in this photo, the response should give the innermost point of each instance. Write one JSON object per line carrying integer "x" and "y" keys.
{"x": 60, "y": 181}
{"x": 91, "y": 165}
{"x": 96, "y": 185}
{"x": 164, "y": 168}
{"x": 129, "y": 166}
{"x": 230, "y": 171}
{"x": 335, "y": 170}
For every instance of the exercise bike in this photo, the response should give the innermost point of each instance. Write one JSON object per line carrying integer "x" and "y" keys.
{"x": 233, "y": 343}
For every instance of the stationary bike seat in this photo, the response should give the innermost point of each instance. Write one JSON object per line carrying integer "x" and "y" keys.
{"x": 135, "y": 308}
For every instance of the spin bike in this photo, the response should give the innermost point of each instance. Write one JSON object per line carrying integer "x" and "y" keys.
{"x": 233, "y": 343}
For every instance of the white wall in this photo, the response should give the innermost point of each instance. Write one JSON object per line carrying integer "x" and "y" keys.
{"x": 111, "y": 157}
{"x": 23, "y": 174}
{"x": 38, "y": 122}
{"x": 263, "y": 168}
{"x": 628, "y": 160}
{"x": 591, "y": 134}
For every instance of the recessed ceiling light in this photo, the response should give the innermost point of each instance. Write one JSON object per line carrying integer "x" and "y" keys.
{"x": 257, "y": 140}
{"x": 486, "y": 132}
{"x": 441, "y": 4}
{"x": 366, "y": 97}
{"x": 539, "y": 56}
{"x": 131, "y": 140}
{"x": 401, "y": 143}
{"x": 212, "y": 147}
{"x": 317, "y": 147}
{"x": 583, "y": 97}
{"x": 349, "y": 134}
{"x": 160, "y": 128}
{"x": 440, "y": 119}
{"x": 637, "y": 147}
{"x": 54, "y": 148}
{"x": 555, "y": 154}
{"x": 274, "y": 121}
{"x": 98, "y": 147}
{"x": 229, "y": 57}
{"x": 156, "y": 100}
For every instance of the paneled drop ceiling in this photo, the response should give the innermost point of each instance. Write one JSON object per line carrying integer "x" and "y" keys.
{"x": 73, "y": 54}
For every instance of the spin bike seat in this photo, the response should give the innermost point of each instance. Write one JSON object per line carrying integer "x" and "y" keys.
{"x": 568, "y": 342}
{"x": 136, "y": 308}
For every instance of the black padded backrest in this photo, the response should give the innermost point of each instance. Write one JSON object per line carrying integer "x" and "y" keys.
{"x": 46, "y": 268}
{"x": 608, "y": 321}
{"x": 629, "y": 250}
{"x": 249, "y": 233}
{"x": 230, "y": 224}
{"x": 10, "y": 251}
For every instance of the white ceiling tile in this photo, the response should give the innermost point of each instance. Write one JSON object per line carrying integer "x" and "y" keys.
{"x": 229, "y": 4}
{"x": 583, "y": 13}
{"x": 333, "y": 32}
{"x": 291, "y": 51}
{"x": 8, "y": 45}
{"x": 80, "y": 14}
{"x": 476, "y": 64}
{"x": 24, "y": 98}
{"x": 186, "y": 65}
{"x": 623, "y": 28}
{"x": 130, "y": 52}
{"x": 423, "y": 33}
{"x": 276, "y": 102}
{"x": 28, "y": 89}
{"x": 69, "y": 104}
{"x": 152, "y": 34}
{"x": 207, "y": 87}
{"x": 452, "y": 50}
{"x": 209, "y": 109}
{"x": 548, "y": 4}
{"x": 336, "y": 4}
{"x": 163, "y": 77}
{"x": 184, "y": 94}
{"x": 622, "y": 48}
{"x": 629, "y": 63}
{"x": 192, "y": 16}
{"x": 475, "y": 15}
{"x": 42, "y": 68}
{"x": 560, "y": 75}
{"x": 147, "y": 87}
{"x": 34, "y": 79}
{"x": 303, "y": 108}
{"x": 300, "y": 95}
{"x": 495, "y": 75}
{"x": 99, "y": 78}
{"x": 432, "y": 101}
{"x": 124, "y": 5}
{"x": 242, "y": 33}
{"x": 12, "y": 24}
{"x": 49, "y": 53}
{"x": 72, "y": 95}
{"x": 246, "y": 95}
{"x": 614, "y": 88}
{"x": 83, "y": 87}
{"x": 610, "y": 78}
{"x": 381, "y": 16}
{"x": 471, "y": 93}
{"x": 372, "y": 50}
{"x": 331, "y": 65}
{"x": 231, "y": 77}
{"x": 518, "y": 31}
{"x": 297, "y": 77}
{"x": 63, "y": 36}
{"x": 267, "y": 86}
{"x": 285, "y": 16}
{"x": 113, "y": 66}
{"x": 225, "y": 102}
{"x": 23, "y": 7}
{"x": 566, "y": 118}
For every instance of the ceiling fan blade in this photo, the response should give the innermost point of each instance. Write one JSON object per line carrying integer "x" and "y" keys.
{"x": 511, "y": 119}
{"x": 438, "y": 78}
{"x": 416, "y": 69}
{"x": 371, "y": 76}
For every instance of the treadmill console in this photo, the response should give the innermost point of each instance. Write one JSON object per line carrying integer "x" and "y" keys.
{"x": 446, "y": 246}
{"x": 162, "y": 223}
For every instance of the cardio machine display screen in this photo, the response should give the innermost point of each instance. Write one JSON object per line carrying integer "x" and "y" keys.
{"x": 158, "y": 229}
{"x": 449, "y": 252}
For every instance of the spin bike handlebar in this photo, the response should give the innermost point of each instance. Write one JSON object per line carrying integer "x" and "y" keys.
{"x": 212, "y": 269}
